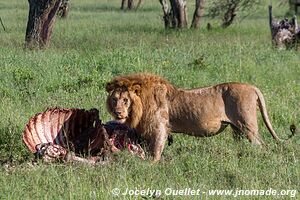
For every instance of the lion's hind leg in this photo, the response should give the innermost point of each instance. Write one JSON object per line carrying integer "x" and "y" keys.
{"x": 247, "y": 125}
{"x": 255, "y": 138}
{"x": 251, "y": 132}
{"x": 243, "y": 116}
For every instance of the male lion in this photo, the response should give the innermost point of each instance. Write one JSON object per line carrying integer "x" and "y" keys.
{"x": 154, "y": 107}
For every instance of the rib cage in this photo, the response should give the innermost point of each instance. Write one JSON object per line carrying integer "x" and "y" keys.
{"x": 57, "y": 133}
{"x": 69, "y": 128}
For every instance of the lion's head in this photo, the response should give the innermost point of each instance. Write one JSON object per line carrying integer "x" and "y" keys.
{"x": 123, "y": 103}
{"x": 119, "y": 104}
{"x": 131, "y": 98}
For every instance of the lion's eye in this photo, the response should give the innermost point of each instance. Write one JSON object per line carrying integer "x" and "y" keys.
{"x": 125, "y": 101}
{"x": 114, "y": 100}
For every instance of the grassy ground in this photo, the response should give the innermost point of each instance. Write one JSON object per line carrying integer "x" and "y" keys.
{"x": 97, "y": 42}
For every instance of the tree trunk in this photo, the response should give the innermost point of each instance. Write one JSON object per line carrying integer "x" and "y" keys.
{"x": 64, "y": 9}
{"x": 179, "y": 13}
{"x": 138, "y": 4}
{"x": 42, "y": 14}
{"x": 123, "y": 4}
{"x": 199, "y": 10}
{"x": 167, "y": 13}
{"x": 175, "y": 13}
{"x": 130, "y": 4}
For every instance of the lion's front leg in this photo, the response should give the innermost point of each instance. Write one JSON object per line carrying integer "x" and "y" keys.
{"x": 158, "y": 141}
{"x": 160, "y": 133}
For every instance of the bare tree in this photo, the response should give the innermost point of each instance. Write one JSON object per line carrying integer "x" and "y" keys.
{"x": 228, "y": 9}
{"x": 175, "y": 13}
{"x": 130, "y": 4}
{"x": 229, "y": 14}
{"x": 41, "y": 18}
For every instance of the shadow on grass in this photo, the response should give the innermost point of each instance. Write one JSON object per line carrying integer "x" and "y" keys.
{"x": 123, "y": 35}
{"x": 96, "y": 8}
{"x": 113, "y": 8}
{"x": 231, "y": 180}
{"x": 136, "y": 28}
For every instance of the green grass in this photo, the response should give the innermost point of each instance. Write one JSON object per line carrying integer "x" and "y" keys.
{"x": 97, "y": 42}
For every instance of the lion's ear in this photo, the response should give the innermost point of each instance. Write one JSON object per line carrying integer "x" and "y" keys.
{"x": 109, "y": 87}
{"x": 136, "y": 89}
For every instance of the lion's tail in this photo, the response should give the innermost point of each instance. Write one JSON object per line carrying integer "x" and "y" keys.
{"x": 264, "y": 113}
